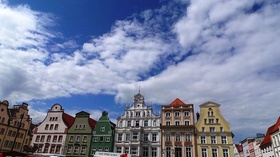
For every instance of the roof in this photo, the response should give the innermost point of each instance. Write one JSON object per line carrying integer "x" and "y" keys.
{"x": 209, "y": 102}
{"x": 177, "y": 102}
{"x": 92, "y": 123}
{"x": 69, "y": 120}
{"x": 267, "y": 140}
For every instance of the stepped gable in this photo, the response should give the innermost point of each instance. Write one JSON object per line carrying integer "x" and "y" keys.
{"x": 68, "y": 120}
{"x": 267, "y": 140}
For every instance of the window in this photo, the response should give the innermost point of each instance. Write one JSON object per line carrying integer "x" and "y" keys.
{"x": 213, "y": 139}
{"x": 214, "y": 152}
{"x": 42, "y": 138}
{"x": 187, "y": 137}
{"x": 167, "y": 114}
{"x": 94, "y": 139}
{"x": 51, "y": 127}
{"x": 205, "y": 121}
{"x": 137, "y": 123}
{"x": 168, "y": 152}
{"x": 120, "y": 124}
{"x": 56, "y": 127}
{"x": 224, "y": 139}
{"x": 154, "y": 152}
{"x": 119, "y": 137}
{"x": 145, "y": 152}
{"x": 217, "y": 120}
{"x": 76, "y": 150}
{"x": 225, "y": 153}
{"x": 71, "y": 138}
{"x": 146, "y": 137}
{"x": 76, "y": 127}
{"x": 134, "y": 150}
{"x": 188, "y": 151}
{"x": 127, "y": 136}
{"x": 119, "y": 149}
{"x": 60, "y": 138}
{"x": 128, "y": 123}
{"x": 84, "y": 138}
{"x": 212, "y": 129}
{"x": 145, "y": 123}
{"x": 37, "y": 138}
{"x": 101, "y": 138}
{"x": 77, "y": 138}
{"x": 154, "y": 136}
{"x": 83, "y": 150}
{"x": 106, "y": 149}
{"x": 69, "y": 149}
{"x": 202, "y": 129}
{"x": 107, "y": 139}
{"x": 135, "y": 136}
{"x": 137, "y": 114}
{"x": 204, "y": 152}
{"x": 221, "y": 129}
{"x": 167, "y": 123}
{"x": 49, "y": 138}
{"x": 187, "y": 122}
{"x": 177, "y": 137}
{"x": 167, "y": 137}
{"x": 126, "y": 149}
{"x": 211, "y": 121}
{"x": 54, "y": 138}
{"x": 177, "y": 122}
{"x": 177, "y": 114}
{"x": 102, "y": 128}
{"x": 186, "y": 113}
{"x": 202, "y": 139}
{"x": 47, "y": 127}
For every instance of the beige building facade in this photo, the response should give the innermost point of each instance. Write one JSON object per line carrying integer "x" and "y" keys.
{"x": 178, "y": 130}
{"x": 214, "y": 136}
{"x": 15, "y": 127}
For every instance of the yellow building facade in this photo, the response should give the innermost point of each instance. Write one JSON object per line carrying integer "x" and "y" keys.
{"x": 214, "y": 137}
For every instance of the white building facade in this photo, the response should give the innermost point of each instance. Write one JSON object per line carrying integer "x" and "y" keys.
{"x": 138, "y": 130}
{"x": 275, "y": 137}
{"x": 50, "y": 135}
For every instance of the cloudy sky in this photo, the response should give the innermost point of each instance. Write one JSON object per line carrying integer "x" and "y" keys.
{"x": 95, "y": 55}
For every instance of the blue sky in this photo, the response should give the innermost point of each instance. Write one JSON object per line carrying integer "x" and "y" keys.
{"x": 94, "y": 55}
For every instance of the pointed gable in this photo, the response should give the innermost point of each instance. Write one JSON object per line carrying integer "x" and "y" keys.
{"x": 177, "y": 102}
{"x": 267, "y": 140}
{"x": 209, "y": 104}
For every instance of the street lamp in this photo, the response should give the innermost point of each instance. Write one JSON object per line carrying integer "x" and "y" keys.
{"x": 19, "y": 125}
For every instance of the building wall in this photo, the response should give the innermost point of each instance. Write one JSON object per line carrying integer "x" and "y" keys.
{"x": 103, "y": 135}
{"x": 213, "y": 132}
{"x": 14, "y": 127}
{"x": 50, "y": 135}
{"x": 138, "y": 130}
{"x": 275, "y": 137}
{"x": 78, "y": 138}
{"x": 178, "y": 130}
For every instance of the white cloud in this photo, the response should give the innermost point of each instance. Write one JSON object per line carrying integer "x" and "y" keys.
{"x": 231, "y": 57}
{"x": 233, "y": 61}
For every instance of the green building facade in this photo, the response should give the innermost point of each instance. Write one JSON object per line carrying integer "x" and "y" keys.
{"x": 103, "y": 135}
{"x": 79, "y": 136}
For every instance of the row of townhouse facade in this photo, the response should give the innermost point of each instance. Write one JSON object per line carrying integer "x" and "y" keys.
{"x": 263, "y": 145}
{"x": 138, "y": 131}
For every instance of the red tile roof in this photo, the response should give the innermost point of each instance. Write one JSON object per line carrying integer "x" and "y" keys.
{"x": 69, "y": 120}
{"x": 267, "y": 140}
{"x": 177, "y": 102}
{"x": 92, "y": 123}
